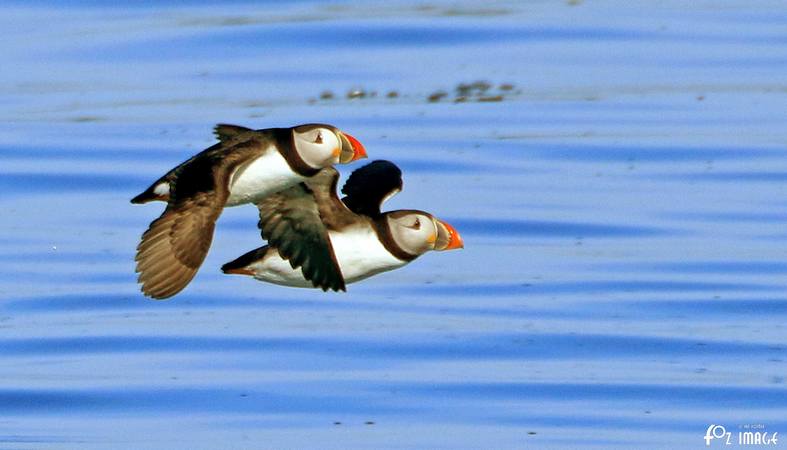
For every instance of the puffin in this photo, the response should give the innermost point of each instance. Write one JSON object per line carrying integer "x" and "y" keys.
{"x": 245, "y": 166}
{"x": 316, "y": 240}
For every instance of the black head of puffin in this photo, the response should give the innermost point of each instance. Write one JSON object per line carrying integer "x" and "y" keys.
{"x": 321, "y": 145}
{"x": 417, "y": 232}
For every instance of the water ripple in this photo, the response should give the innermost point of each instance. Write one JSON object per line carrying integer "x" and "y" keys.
{"x": 765, "y": 176}
{"x": 29, "y": 183}
{"x": 471, "y": 346}
{"x": 333, "y": 35}
{"x": 702, "y": 308}
{"x": 705, "y": 267}
{"x": 562, "y": 229}
{"x": 52, "y": 401}
{"x": 590, "y": 287}
{"x": 618, "y": 153}
{"x": 652, "y": 394}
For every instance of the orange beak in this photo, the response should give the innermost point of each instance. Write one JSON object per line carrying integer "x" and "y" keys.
{"x": 450, "y": 242}
{"x": 358, "y": 151}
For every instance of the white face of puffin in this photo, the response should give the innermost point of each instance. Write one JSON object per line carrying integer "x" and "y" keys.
{"x": 323, "y": 145}
{"x": 417, "y": 232}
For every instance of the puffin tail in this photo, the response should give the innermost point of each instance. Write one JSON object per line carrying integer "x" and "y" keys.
{"x": 158, "y": 191}
{"x": 240, "y": 265}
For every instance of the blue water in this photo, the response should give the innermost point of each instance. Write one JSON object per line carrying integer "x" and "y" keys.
{"x": 623, "y": 205}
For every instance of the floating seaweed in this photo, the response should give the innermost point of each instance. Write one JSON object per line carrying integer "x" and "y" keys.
{"x": 437, "y": 96}
{"x": 356, "y": 93}
{"x": 475, "y": 91}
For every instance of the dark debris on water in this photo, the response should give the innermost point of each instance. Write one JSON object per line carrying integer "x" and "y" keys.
{"x": 437, "y": 96}
{"x": 476, "y": 91}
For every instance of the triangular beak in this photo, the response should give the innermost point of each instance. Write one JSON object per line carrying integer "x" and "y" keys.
{"x": 447, "y": 237}
{"x": 352, "y": 149}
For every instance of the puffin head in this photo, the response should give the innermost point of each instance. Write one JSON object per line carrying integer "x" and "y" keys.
{"x": 417, "y": 232}
{"x": 321, "y": 145}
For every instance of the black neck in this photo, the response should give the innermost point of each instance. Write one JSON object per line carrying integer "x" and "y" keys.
{"x": 286, "y": 142}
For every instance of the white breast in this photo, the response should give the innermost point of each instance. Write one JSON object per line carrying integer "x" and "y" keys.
{"x": 359, "y": 252}
{"x": 261, "y": 177}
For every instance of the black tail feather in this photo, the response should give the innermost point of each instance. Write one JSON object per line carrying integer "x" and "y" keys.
{"x": 149, "y": 196}
{"x": 244, "y": 260}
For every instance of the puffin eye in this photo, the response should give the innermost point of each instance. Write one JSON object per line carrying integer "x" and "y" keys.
{"x": 417, "y": 224}
{"x": 318, "y": 139}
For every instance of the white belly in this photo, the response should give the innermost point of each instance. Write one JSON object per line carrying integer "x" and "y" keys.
{"x": 358, "y": 251}
{"x": 273, "y": 269}
{"x": 361, "y": 254}
{"x": 264, "y": 176}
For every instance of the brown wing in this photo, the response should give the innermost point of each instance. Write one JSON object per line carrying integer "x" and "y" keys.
{"x": 296, "y": 222}
{"x": 333, "y": 212}
{"x": 175, "y": 244}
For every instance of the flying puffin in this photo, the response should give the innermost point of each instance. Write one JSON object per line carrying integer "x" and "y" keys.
{"x": 334, "y": 242}
{"x": 244, "y": 167}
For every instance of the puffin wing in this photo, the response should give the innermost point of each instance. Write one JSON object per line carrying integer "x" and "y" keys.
{"x": 296, "y": 222}
{"x": 175, "y": 244}
{"x": 225, "y": 132}
{"x": 369, "y": 186}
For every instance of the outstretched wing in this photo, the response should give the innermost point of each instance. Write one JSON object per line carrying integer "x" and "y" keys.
{"x": 296, "y": 222}
{"x": 369, "y": 186}
{"x": 175, "y": 244}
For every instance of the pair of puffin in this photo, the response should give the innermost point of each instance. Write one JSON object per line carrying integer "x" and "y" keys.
{"x": 314, "y": 238}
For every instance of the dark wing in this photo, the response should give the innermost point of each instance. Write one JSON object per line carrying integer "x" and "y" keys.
{"x": 368, "y": 186}
{"x": 224, "y": 131}
{"x": 175, "y": 244}
{"x": 296, "y": 222}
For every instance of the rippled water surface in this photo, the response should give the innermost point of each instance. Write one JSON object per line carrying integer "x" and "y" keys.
{"x": 622, "y": 201}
